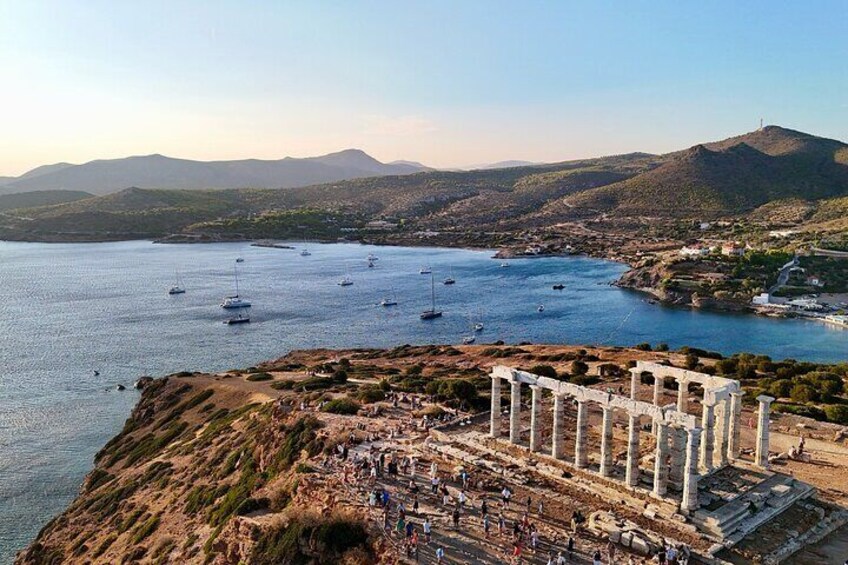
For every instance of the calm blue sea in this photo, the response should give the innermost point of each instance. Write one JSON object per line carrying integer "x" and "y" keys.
{"x": 68, "y": 310}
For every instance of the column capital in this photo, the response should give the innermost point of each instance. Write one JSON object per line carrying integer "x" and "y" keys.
{"x": 695, "y": 433}
{"x": 765, "y": 399}
{"x": 737, "y": 394}
{"x": 536, "y": 386}
{"x": 635, "y": 371}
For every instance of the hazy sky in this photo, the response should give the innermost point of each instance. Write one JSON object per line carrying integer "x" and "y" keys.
{"x": 447, "y": 83}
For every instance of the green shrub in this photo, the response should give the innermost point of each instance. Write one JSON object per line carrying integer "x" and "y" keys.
{"x": 780, "y": 388}
{"x": 803, "y": 393}
{"x": 369, "y": 394}
{"x": 584, "y": 380}
{"x": 340, "y": 376}
{"x": 256, "y": 377}
{"x": 147, "y": 528}
{"x": 806, "y": 411}
{"x": 544, "y": 371}
{"x": 579, "y": 368}
{"x": 837, "y": 413}
{"x": 346, "y": 406}
{"x": 643, "y": 347}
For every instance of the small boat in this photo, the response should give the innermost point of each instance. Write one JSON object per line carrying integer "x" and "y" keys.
{"x": 240, "y": 319}
{"x": 239, "y": 260}
{"x": 541, "y": 308}
{"x": 388, "y": 302}
{"x": 558, "y": 286}
{"x": 425, "y": 271}
{"x": 372, "y": 257}
{"x": 478, "y": 327}
{"x": 504, "y": 265}
{"x": 469, "y": 339}
{"x": 235, "y": 301}
{"x": 305, "y": 253}
{"x": 346, "y": 281}
{"x": 432, "y": 312}
{"x": 178, "y": 287}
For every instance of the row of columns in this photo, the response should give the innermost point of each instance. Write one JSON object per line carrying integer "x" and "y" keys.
{"x": 688, "y": 455}
{"x": 720, "y": 423}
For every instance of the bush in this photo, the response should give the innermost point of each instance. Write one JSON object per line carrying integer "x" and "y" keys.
{"x": 803, "y": 393}
{"x": 807, "y": 411}
{"x": 780, "y": 388}
{"x": 691, "y": 362}
{"x": 643, "y": 347}
{"x": 260, "y": 377}
{"x": 369, "y": 394}
{"x": 460, "y": 389}
{"x": 544, "y": 371}
{"x": 662, "y": 347}
{"x": 345, "y": 406}
{"x": 579, "y": 368}
{"x": 340, "y": 376}
{"x": 837, "y": 413}
{"x": 584, "y": 380}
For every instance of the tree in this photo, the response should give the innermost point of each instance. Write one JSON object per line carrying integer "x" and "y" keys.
{"x": 781, "y": 388}
{"x": 544, "y": 371}
{"x": 462, "y": 390}
{"x": 340, "y": 376}
{"x": 692, "y": 361}
{"x": 803, "y": 393}
{"x": 579, "y": 368}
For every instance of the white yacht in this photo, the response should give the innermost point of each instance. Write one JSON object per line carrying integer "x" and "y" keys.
{"x": 178, "y": 286}
{"x": 237, "y": 319}
{"x": 305, "y": 252}
{"x": 372, "y": 257}
{"x": 504, "y": 265}
{"x": 235, "y": 301}
{"x": 469, "y": 339}
{"x": 388, "y": 302}
{"x": 425, "y": 270}
{"x": 478, "y": 327}
{"x": 346, "y": 281}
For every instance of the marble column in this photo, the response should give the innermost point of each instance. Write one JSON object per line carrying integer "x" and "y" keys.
{"x": 535, "y": 415}
{"x": 682, "y": 395}
{"x": 557, "y": 436}
{"x": 635, "y": 379}
{"x": 660, "y": 466}
{"x": 632, "y": 472}
{"x": 678, "y": 455}
{"x": 707, "y": 425}
{"x": 689, "y": 503}
{"x": 658, "y": 386}
{"x": 606, "y": 442}
{"x": 495, "y": 415}
{"x": 734, "y": 425}
{"x": 761, "y": 458}
{"x": 515, "y": 412}
{"x": 723, "y": 418}
{"x": 581, "y": 455}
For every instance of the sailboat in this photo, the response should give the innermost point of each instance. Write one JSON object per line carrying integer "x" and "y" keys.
{"x": 305, "y": 252}
{"x": 346, "y": 280}
{"x": 426, "y": 270}
{"x": 178, "y": 287}
{"x": 469, "y": 339}
{"x": 432, "y": 312}
{"x": 235, "y": 301}
{"x": 450, "y": 279}
{"x": 388, "y": 302}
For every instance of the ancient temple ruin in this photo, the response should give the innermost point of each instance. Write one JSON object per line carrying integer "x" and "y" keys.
{"x": 686, "y": 447}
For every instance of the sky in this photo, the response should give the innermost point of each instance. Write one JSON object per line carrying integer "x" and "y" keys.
{"x": 446, "y": 83}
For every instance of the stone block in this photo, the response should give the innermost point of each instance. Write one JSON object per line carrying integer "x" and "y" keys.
{"x": 640, "y": 546}
{"x": 626, "y": 539}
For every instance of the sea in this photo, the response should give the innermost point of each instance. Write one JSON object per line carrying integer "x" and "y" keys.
{"x": 77, "y": 320}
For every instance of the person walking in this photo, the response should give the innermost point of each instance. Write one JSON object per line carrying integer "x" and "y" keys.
{"x": 596, "y": 557}
{"x": 440, "y": 555}
{"x": 455, "y": 517}
{"x": 426, "y": 527}
{"x": 486, "y": 525}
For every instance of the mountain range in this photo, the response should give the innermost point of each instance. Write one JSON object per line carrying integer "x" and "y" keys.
{"x": 158, "y": 171}
{"x": 707, "y": 181}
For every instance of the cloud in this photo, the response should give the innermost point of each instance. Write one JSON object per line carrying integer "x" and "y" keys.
{"x": 397, "y": 126}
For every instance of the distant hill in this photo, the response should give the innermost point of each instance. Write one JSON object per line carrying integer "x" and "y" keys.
{"x": 729, "y": 177}
{"x": 158, "y": 171}
{"x": 6, "y": 180}
{"x": 40, "y": 198}
{"x": 726, "y": 177}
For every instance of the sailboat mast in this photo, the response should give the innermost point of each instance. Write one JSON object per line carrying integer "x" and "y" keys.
{"x": 235, "y": 271}
{"x": 433, "y": 291}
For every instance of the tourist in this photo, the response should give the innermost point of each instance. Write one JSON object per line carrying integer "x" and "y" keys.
{"x": 440, "y": 555}
{"x": 415, "y": 505}
{"x": 661, "y": 554}
{"x": 596, "y": 557}
{"x": 426, "y": 527}
{"x": 534, "y": 538}
{"x": 372, "y": 499}
{"x": 529, "y": 504}
{"x": 461, "y": 498}
{"x": 410, "y": 529}
{"x": 541, "y": 506}
{"x": 570, "y": 547}
{"x": 486, "y": 525}
{"x": 611, "y": 551}
{"x": 501, "y": 524}
{"x": 561, "y": 559}
{"x": 401, "y": 524}
{"x": 671, "y": 555}
{"x": 551, "y": 558}
{"x": 455, "y": 517}
{"x": 434, "y": 484}
{"x": 484, "y": 508}
{"x": 505, "y": 496}
{"x": 516, "y": 552}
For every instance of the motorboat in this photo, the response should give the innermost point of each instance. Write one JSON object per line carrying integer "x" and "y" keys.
{"x": 239, "y": 319}
{"x": 346, "y": 281}
{"x": 305, "y": 253}
{"x": 478, "y": 327}
{"x": 558, "y": 286}
{"x": 504, "y": 265}
{"x": 541, "y": 308}
{"x": 239, "y": 260}
{"x": 425, "y": 271}
{"x": 469, "y": 339}
{"x": 388, "y": 302}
